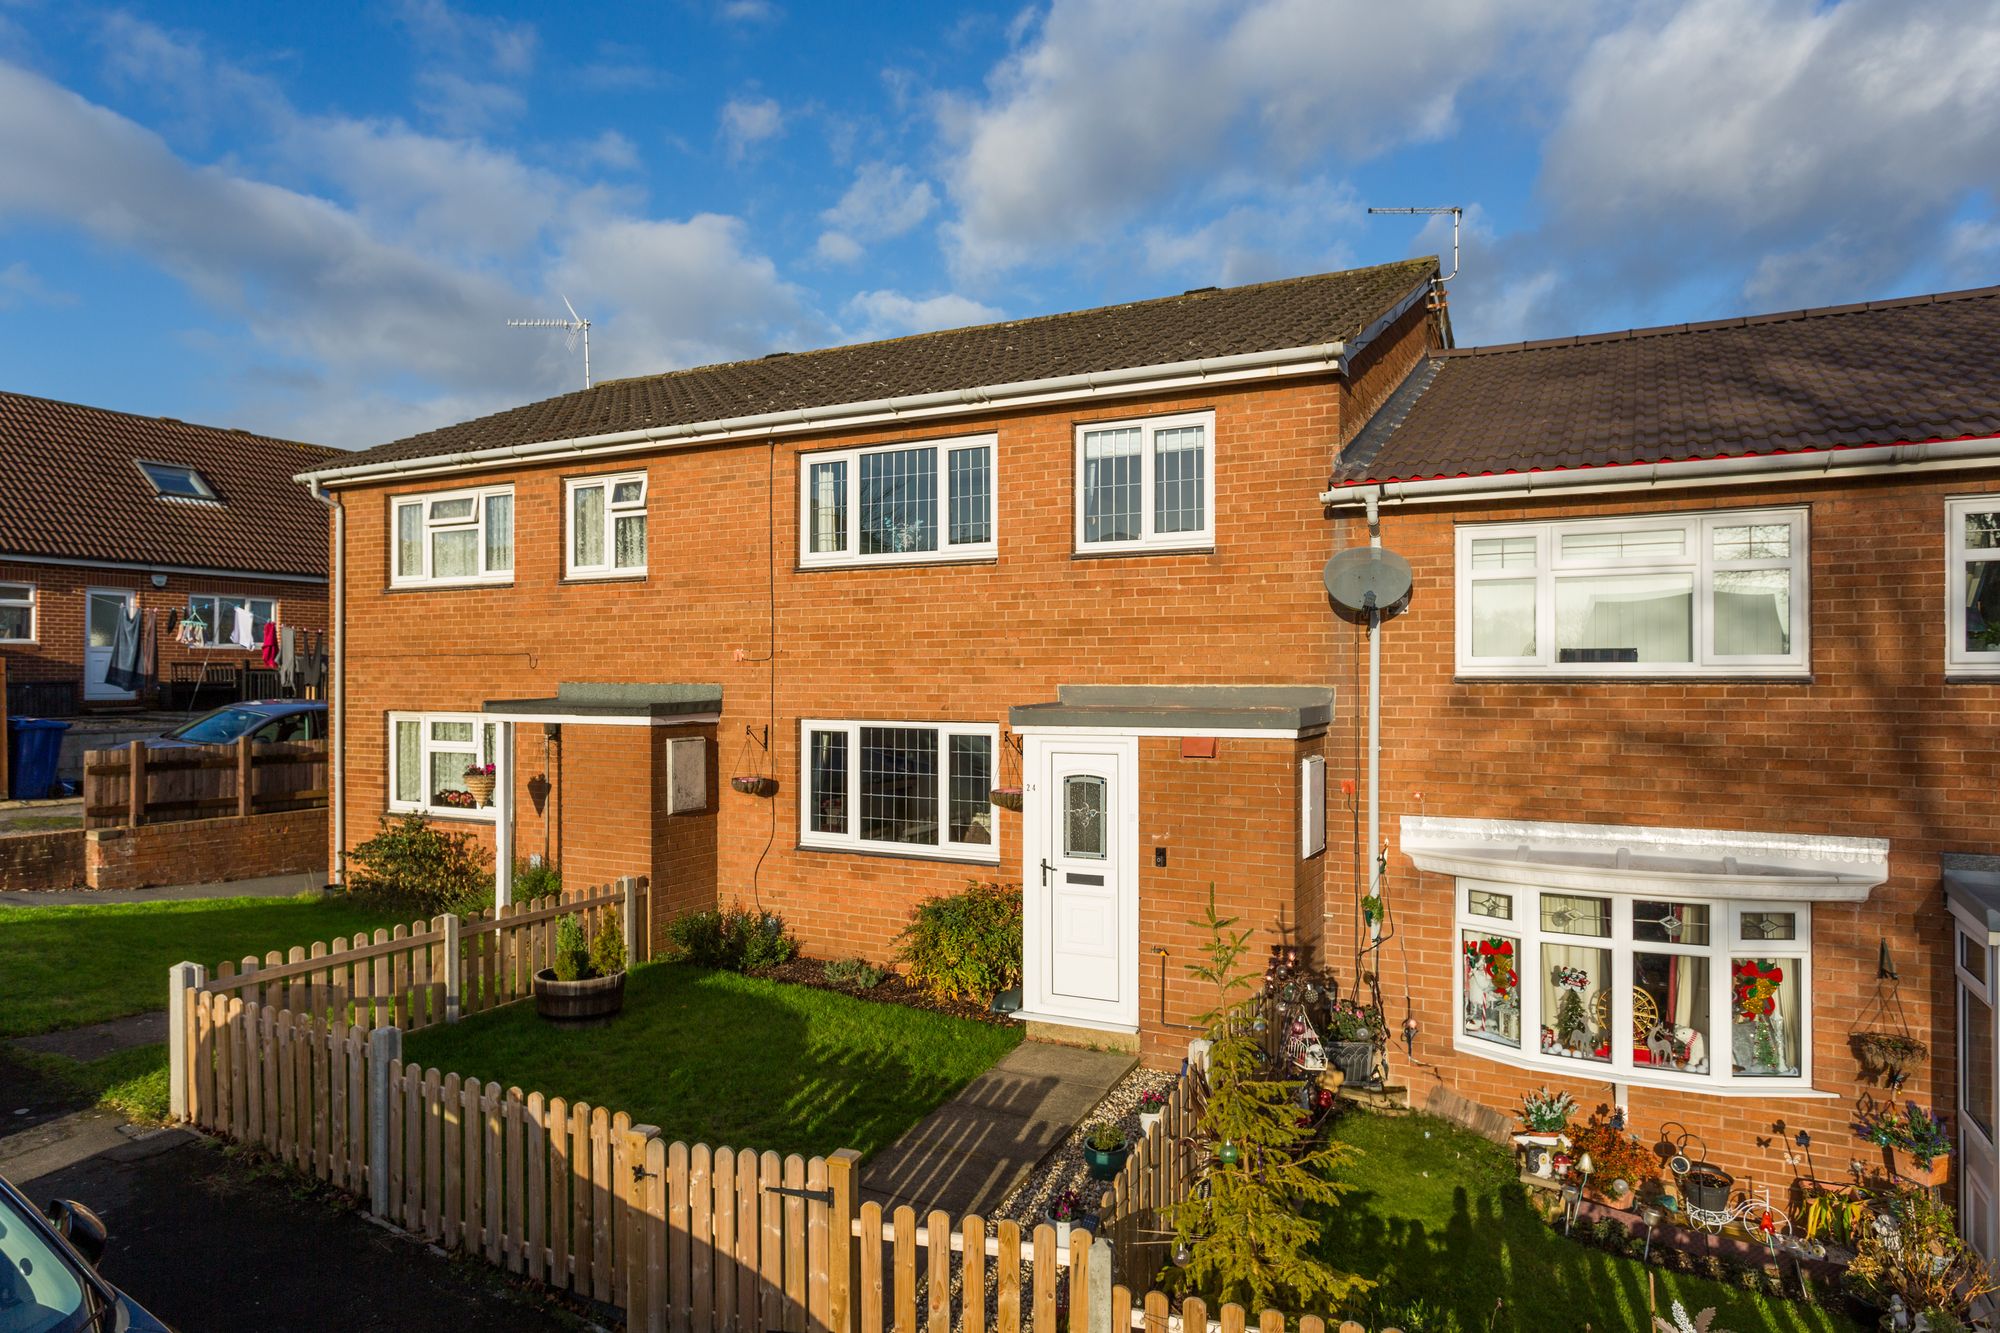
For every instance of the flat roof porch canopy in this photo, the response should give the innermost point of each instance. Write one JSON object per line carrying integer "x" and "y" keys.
{"x": 611, "y": 704}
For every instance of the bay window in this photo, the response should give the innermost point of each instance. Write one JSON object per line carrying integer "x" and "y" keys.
{"x": 1665, "y": 991}
{"x": 432, "y": 754}
{"x": 452, "y": 537}
{"x": 898, "y": 504}
{"x": 1722, "y": 593}
{"x": 607, "y": 526}
{"x": 1146, "y": 485}
{"x": 1972, "y": 608}
{"x": 916, "y": 788}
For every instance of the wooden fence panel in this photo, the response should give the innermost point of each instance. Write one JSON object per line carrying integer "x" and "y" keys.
{"x": 201, "y": 781}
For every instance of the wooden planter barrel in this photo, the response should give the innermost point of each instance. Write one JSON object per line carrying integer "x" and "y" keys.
{"x": 578, "y": 1003}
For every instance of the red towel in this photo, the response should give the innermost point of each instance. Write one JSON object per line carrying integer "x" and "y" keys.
{"x": 271, "y": 644}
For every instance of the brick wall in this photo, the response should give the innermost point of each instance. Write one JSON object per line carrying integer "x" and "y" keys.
{"x": 200, "y": 851}
{"x": 38, "y": 861}
{"x": 724, "y": 602}
{"x": 58, "y": 650}
{"x": 1876, "y": 744}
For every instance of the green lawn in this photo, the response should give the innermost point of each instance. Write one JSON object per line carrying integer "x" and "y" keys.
{"x": 63, "y": 967}
{"x": 718, "y": 1058}
{"x": 1440, "y": 1215}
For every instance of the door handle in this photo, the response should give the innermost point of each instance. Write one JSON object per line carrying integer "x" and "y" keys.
{"x": 1046, "y": 868}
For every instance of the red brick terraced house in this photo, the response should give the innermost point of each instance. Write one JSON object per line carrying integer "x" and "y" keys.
{"x": 1694, "y": 672}
{"x": 1076, "y": 556}
{"x": 102, "y": 511}
{"x": 1688, "y": 729}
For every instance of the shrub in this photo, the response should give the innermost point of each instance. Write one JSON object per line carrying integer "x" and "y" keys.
{"x": 965, "y": 946}
{"x": 607, "y": 951}
{"x": 854, "y": 974}
{"x": 737, "y": 940}
{"x": 1614, "y": 1155}
{"x": 535, "y": 880}
{"x": 412, "y": 864}
{"x": 572, "y": 960}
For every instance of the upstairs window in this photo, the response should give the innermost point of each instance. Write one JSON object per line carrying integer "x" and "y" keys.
{"x": 17, "y": 613}
{"x": 1972, "y": 610}
{"x": 451, "y": 537}
{"x": 897, "y": 504}
{"x": 1707, "y": 594}
{"x": 1146, "y": 485}
{"x": 176, "y": 481}
{"x": 607, "y": 526}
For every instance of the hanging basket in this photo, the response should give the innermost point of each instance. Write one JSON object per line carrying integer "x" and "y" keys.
{"x": 754, "y": 784}
{"x": 481, "y": 785}
{"x": 1007, "y": 798}
{"x": 1889, "y": 1055}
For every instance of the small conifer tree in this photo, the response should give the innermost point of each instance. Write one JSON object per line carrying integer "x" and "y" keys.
{"x": 1249, "y": 1236}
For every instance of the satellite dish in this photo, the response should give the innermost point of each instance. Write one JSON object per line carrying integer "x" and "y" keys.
{"x": 1368, "y": 578}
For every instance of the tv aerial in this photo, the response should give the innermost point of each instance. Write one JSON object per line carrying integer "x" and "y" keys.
{"x": 1457, "y": 216}
{"x": 576, "y": 326}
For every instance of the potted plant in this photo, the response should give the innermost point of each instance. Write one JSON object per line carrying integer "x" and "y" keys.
{"x": 1916, "y": 1143}
{"x": 1105, "y": 1149}
{"x": 1914, "y": 1257}
{"x": 480, "y": 780}
{"x": 1066, "y": 1211}
{"x": 1007, "y": 798}
{"x": 1152, "y": 1105}
{"x": 1890, "y": 1055}
{"x": 1372, "y": 915}
{"x": 1544, "y": 1117}
{"x": 586, "y": 984}
{"x": 752, "y": 784}
{"x": 1619, "y": 1165}
{"x": 1354, "y": 1043}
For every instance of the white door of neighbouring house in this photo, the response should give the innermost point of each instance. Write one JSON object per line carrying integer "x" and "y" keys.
{"x": 1978, "y": 1098}
{"x": 103, "y": 607}
{"x": 1080, "y": 806}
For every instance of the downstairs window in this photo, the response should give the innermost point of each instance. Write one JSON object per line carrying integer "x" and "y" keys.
{"x": 911, "y": 787}
{"x": 431, "y": 756}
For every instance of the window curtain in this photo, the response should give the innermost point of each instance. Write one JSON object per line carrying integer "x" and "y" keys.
{"x": 1650, "y": 615}
{"x": 587, "y": 526}
{"x": 1753, "y": 612}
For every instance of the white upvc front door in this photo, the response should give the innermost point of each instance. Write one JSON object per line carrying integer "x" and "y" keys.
{"x": 102, "y": 610}
{"x": 1978, "y": 1167}
{"x": 1080, "y": 806}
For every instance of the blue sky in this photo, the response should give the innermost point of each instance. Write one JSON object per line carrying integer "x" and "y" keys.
{"x": 314, "y": 220}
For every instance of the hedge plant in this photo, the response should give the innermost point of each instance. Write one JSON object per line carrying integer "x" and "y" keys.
{"x": 967, "y": 945}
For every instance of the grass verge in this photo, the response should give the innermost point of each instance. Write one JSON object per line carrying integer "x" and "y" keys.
{"x": 1441, "y": 1218}
{"x": 63, "y": 967}
{"x": 720, "y": 1058}
{"x": 133, "y": 1083}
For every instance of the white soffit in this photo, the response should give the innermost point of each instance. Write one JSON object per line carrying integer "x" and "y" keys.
{"x": 1619, "y": 858}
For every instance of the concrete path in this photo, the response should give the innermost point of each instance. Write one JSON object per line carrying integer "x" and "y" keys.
{"x": 970, "y": 1153}
{"x": 269, "y": 886}
{"x": 97, "y": 1040}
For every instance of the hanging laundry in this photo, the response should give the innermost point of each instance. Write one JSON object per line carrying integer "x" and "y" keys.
{"x": 149, "y": 631}
{"x": 240, "y": 630}
{"x": 288, "y": 658}
{"x": 270, "y": 644}
{"x": 312, "y": 672}
{"x": 123, "y": 671}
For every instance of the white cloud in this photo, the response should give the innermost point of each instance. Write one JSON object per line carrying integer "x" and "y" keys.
{"x": 748, "y": 121}
{"x": 1109, "y": 107}
{"x": 749, "y": 12}
{"x": 1259, "y": 235}
{"x": 461, "y": 55}
{"x": 19, "y": 286}
{"x": 888, "y": 314}
{"x": 612, "y": 149}
{"x": 883, "y": 202}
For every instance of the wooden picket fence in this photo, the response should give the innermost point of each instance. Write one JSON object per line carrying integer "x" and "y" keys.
{"x": 139, "y": 784}
{"x": 410, "y": 977}
{"x": 1158, "y": 1174}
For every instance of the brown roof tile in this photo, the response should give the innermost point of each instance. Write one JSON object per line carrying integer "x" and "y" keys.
{"x": 1295, "y": 312}
{"x": 70, "y": 486}
{"x": 1887, "y": 372}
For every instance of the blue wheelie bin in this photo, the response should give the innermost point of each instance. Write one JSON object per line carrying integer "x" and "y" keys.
{"x": 33, "y": 745}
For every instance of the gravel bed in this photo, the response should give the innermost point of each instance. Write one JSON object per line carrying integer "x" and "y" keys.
{"x": 1064, "y": 1169}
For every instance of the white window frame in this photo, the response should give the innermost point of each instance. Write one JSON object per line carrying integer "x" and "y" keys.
{"x": 31, "y": 602}
{"x": 1700, "y": 563}
{"x": 608, "y": 483}
{"x": 852, "y": 841}
{"x": 1958, "y": 659}
{"x": 427, "y": 500}
{"x": 208, "y": 605}
{"x": 947, "y": 550}
{"x": 1725, "y": 943}
{"x": 1149, "y": 538}
{"x": 480, "y": 721}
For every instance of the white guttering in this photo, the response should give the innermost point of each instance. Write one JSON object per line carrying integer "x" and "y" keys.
{"x": 144, "y": 567}
{"x": 336, "y": 691}
{"x": 1807, "y": 465}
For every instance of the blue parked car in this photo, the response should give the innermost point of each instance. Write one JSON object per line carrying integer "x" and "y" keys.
{"x": 260, "y": 720}
{"x": 48, "y": 1272}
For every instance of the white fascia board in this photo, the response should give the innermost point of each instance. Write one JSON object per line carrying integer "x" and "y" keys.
{"x": 1805, "y": 465}
{"x": 607, "y": 719}
{"x": 1288, "y": 362}
{"x": 1205, "y": 733}
{"x": 195, "y": 571}
{"x": 1618, "y": 858}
